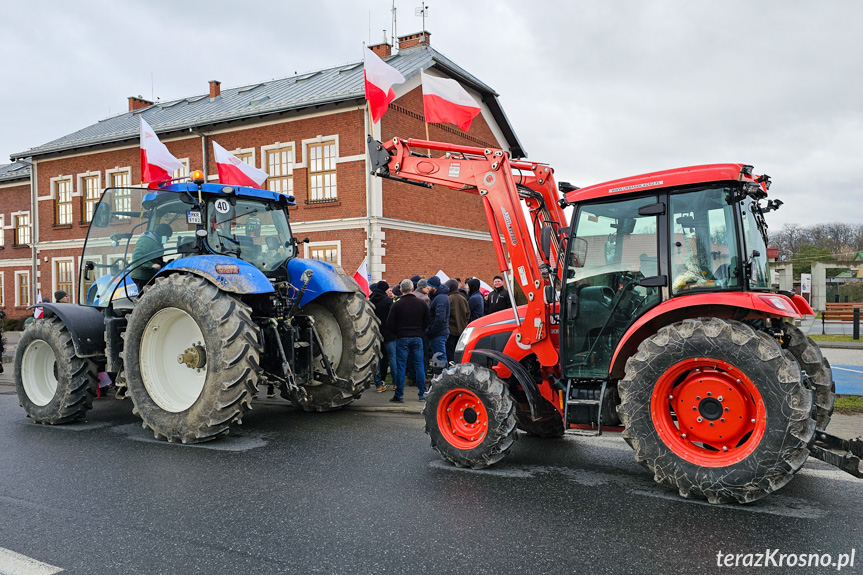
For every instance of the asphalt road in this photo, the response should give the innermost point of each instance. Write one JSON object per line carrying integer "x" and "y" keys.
{"x": 362, "y": 492}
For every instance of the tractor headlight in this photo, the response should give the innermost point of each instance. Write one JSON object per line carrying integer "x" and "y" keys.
{"x": 462, "y": 341}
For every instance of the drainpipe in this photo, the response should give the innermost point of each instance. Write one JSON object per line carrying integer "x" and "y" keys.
{"x": 34, "y": 231}
{"x": 203, "y": 150}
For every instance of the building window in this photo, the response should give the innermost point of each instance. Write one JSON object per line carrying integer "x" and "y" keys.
{"x": 122, "y": 198}
{"x": 64, "y": 277}
{"x": 280, "y": 167}
{"x": 22, "y": 229}
{"x": 90, "y": 195}
{"x": 183, "y": 172}
{"x": 322, "y": 172}
{"x": 325, "y": 253}
{"x": 248, "y": 157}
{"x": 22, "y": 289}
{"x": 63, "y": 201}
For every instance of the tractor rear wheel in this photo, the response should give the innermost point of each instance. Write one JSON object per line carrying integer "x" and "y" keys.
{"x": 811, "y": 362}
{"x": 54, "y": 385}
{"x": 470, "y": 416}
{"x": 350, "y": 333}
{"x": 191, "y": 359}
{"x": 716, "y": 410}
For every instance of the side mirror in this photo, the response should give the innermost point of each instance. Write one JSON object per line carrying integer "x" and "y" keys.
{"x": 101, "y": 216}
{"x": 88, "y": 270}
{"x": 545, "y": 242}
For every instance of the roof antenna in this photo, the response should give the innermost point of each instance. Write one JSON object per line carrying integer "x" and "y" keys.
{"x": 422, "y": 11}
{"x": 393, "y": 33}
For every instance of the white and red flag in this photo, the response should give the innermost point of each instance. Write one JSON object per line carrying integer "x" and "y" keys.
{"x": 235, "y": 172}
{"x": 362, "y": 278}
{"x": 446, "y": 102}
{"x": 157, "y": 163}
{"x": 380, "y": 78}
{"x": 38, "y": 312}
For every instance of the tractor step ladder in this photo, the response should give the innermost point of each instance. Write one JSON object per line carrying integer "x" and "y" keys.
{"x": 584, "y": 403}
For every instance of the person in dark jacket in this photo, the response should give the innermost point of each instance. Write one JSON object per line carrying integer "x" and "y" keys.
{"x": 408, "y": 320}
{"x": 438, "y": 329}
{"x": 498, "y": 299}
{"x": 459, "y": 316}
{"x": 383, "y": 302}
{"x": 474, "y": 300}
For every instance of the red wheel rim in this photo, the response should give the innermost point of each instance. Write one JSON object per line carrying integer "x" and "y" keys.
{"x": 708, "y": 412}
{"x": 462, "y": 419}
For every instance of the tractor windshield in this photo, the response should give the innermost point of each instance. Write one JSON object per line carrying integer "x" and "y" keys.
{"x": 252, "y": 230}
{"x": 134, "y": 232}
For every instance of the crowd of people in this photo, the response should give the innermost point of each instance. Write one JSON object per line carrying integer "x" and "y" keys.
{"x": 422, "y": 320}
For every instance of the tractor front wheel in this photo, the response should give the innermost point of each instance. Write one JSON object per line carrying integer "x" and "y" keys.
{"x": 54, "y": 385}
{"x": 191, "y": 359}
{"x": 716, "y": 410}
{"x": 351, "y": 337}
{"x": 470, "y": 416}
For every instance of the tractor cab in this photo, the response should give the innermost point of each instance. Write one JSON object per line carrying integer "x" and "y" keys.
{"x": 629, "y": 254}
{"x": 137, "y": 232}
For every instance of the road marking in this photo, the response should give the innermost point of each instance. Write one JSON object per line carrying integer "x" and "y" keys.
{"x": 12, "y": 563}
{"x": 845, "y": 369}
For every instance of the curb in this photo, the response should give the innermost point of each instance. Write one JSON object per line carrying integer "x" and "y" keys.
{"x": 839, "y": 344}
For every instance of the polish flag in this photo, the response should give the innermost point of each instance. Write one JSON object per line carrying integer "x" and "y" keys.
{"x": 235, "y": 172}
{"x": 446, "y": 102}
{"x": 157, "y": 163}
{"x": 38, "y": 312}
{"x": 362, "y": 278}
{"x": 484, "y": 288}
{"x": 380, "y": 78}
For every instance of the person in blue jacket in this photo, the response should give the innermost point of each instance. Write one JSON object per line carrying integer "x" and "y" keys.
{"x": 438, "y": 330}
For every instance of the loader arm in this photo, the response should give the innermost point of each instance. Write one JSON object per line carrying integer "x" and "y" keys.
{"x": 489, "y": 173}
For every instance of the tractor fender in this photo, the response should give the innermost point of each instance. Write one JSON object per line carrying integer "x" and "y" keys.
{"x": 86, "y": 325}
{"x": 248, "y": 280}
{"x": 734, "y": 305}
{"x": 531, "y": 390}
{"x": 326, "y": 278}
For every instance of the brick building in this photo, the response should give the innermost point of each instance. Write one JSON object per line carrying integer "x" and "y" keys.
{"x": 308, "y": 132}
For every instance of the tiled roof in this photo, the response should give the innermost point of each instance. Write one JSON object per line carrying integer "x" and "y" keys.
{"x": 328, "y": 86}
{"x": 14, "y": 171}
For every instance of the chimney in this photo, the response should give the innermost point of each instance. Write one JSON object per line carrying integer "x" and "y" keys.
{"x": 412, "y": 40}
{"x": 382, "y": 50}
{"x": 137, "y": 102}
{"x": 215, "y": 88}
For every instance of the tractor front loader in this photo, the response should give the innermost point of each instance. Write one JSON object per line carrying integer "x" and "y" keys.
{"x": 193, "y": 296}
{"x": 651, "y": 311}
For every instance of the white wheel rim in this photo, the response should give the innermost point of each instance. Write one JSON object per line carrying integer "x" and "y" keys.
{"x": 38, "y": 367}
{"x": 330, "y": 333}
{"x": 173, "y": 386}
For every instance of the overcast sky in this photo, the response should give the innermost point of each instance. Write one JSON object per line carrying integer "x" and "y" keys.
{"x": 600, "y": 89}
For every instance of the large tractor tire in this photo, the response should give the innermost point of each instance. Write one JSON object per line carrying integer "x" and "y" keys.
{"x": 470, "y": 416}
{"x": 191, "y": 359}
{"x": 54, "y": 385}
{"x": 810, "y": 360}
{"x": 350, "y": 333}
{"x": 716, "y": 410}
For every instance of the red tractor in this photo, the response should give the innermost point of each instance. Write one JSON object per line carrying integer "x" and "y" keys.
{"x": 651, "y": 311}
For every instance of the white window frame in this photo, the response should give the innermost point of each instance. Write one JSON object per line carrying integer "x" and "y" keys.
{"x": 338, "y": 243}
{"x": 14, "y": 216}
{"x": 2, "y": 289}
{"x": 247, "y": 151}
{"x": 81, "y": 191}
{"x": 117, "y": 170}
{"x": 70, "y": 259}
{"x": 30, "y": 286}
{"x": 305, "y": 146}
{"x": 53, "y": 187}
{"x": 2, "y": 234}
{"x": 185, "y": 162}
{"x": 279, "y": 146}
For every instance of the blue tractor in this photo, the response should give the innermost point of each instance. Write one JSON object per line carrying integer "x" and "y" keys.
{"x": 193, "y": 295}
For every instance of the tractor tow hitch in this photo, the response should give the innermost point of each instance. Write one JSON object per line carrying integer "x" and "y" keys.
{"x": 846, "y": 454}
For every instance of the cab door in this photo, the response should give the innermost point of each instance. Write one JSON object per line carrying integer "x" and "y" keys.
{"x": 612, "y": 278}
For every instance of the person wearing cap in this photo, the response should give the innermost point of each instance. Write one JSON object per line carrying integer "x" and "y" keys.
{"x": 421, "y": 291}
{"x": 408, "y": 320}
{"x": 60, "y": 297}
{"x": 438, "y": 330}
{"x": 380, "y": 298}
